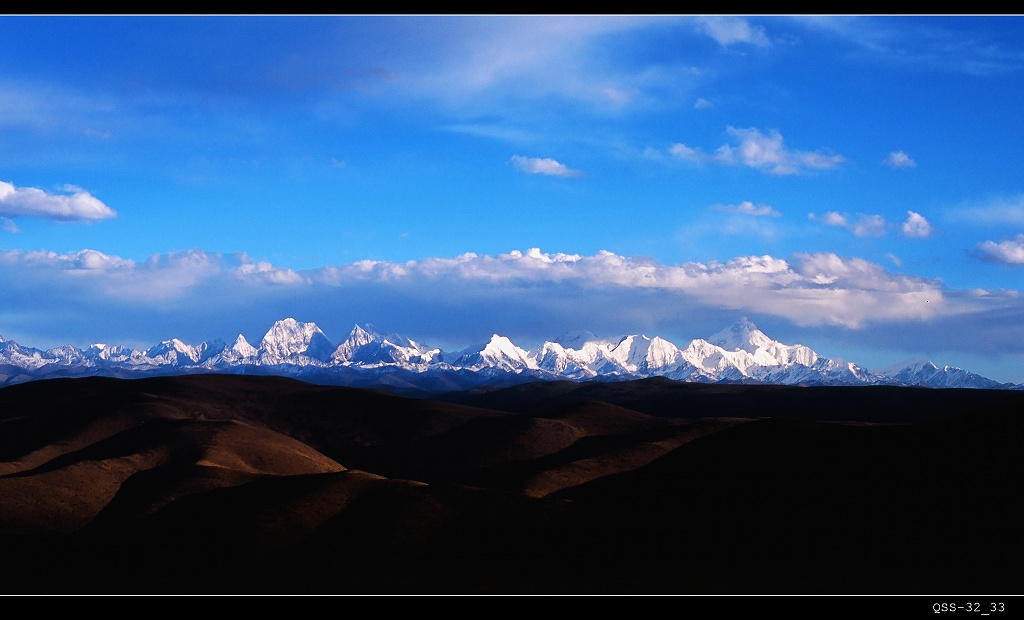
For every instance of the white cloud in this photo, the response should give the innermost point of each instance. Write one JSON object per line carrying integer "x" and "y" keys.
{"x": 917, "y": 226}
{"x": 748, "y": 208}
{"x": 33, "y": 202}
{"x": 1009, "y": 252}
{"x": 864, "y": 226}
{"x": 831, "y": 218}
{"x": 703, "y": 104}
{"x": 766, "y": 153}
{"x": 538, "y": 165}
{"x": 729, "y": 30}
{"x": 899, "y": 159}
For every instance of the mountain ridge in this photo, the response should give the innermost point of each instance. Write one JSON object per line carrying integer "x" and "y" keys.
{"x": 368, "y": 357}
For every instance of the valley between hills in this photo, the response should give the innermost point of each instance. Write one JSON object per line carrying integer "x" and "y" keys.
{"x": 236, "y": 484}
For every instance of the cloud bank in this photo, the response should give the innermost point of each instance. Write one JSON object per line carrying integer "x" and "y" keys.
{"x": 89, "y": 296}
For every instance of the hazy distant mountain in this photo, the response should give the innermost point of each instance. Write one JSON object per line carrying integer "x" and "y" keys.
{"x": 923, "y": 372}
{"x": 367, "y": 357}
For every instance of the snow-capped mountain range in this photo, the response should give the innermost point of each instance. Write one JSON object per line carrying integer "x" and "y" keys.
{"x": 367, "y": 357}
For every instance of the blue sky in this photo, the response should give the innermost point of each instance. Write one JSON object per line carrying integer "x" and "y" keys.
{"x": 849, "y": 183}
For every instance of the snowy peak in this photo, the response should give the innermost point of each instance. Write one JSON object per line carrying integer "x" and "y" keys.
{"x": 744, "y": 337}
{"x": 109, "y": 353}
{"x": 289, "y": 339}
{"x": 638, "y": 353}
{"x": 243, "y": 348}
{"x": 358, "y": 339}
{"x": 174, "y": 351}
{"x": 741, "y": 335}
{"x": 360, "y": 336}
{"x": 497, "y": 353}
{"x": 661, "y": 353}
{"x": 240, "y": 352}
{"x": 923, "y": 372}
{"x": 366, "y": 346}
{"x": 740, "y": 352}
{"x": 500, "y": 350}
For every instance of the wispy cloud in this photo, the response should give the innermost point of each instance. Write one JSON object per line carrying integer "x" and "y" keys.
{"x": 917, "y": 226}
{"x": 538, "y": 165}
{"x": 933, "y": 43}
{"x": 729, "y": 30}
{"x": 899, "y": 159}
{"x": 1008, "y": 210}
{"x": 518, "y": 58}
{"x": 831, "y": 218}
{"x": 687, "y": 152}
{"x": 757, "y": 150}
{"x": 869, "y": 226}
{"x": 1009, "y": 252}
{"x": 96, "y": 133}
{"x": 866, "y": 225}
{"x": 748, "y": 208}
{"x": 703, "y": 104}
{"x": 33, "y": 202}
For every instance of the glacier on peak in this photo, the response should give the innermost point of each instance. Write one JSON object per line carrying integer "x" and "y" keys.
{"x": 239, "y": 351}
{"x": 742, "y": 334}
{"x": 741, "y": 352}
{"x": 288, "y": 339}
{"x": 497, "y": 353}
{"x": 367, "y": 347}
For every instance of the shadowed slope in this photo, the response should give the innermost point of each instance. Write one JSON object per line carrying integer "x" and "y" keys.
{"x": 235, "y": 484}
{"x": 66, "y": 492}
{"x": 778, "y": 506}
{"x": 663, "y": 397}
